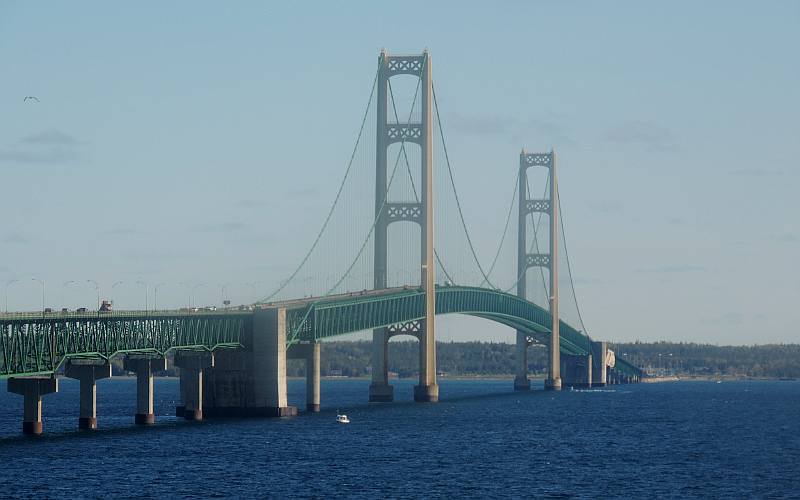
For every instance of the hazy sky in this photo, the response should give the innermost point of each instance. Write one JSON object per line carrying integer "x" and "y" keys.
{"x": 199, "y": 142}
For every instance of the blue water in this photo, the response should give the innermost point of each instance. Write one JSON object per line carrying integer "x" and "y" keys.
{"x": 686, "y": 439}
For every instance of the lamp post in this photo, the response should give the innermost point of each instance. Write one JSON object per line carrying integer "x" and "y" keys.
{"x": 146, "y": 286}
{"x": 155, "y": 295}
{"x": 41, "y": 282}
{"x": 223, "y": 289}
{"x": 97, "y": 290}
{"x": 8, "y": 284}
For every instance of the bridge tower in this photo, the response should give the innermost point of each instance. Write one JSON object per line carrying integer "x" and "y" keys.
{"x": 526, "y": 260}
{"x": 420, "y": 212}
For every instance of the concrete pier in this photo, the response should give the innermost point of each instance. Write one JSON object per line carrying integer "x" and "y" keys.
{"x": 87, "y": 372}
{"x": 599, "y": 370}
{"x": 576, "y": 371}
{"x": 191, "y": 365}
{"x": 227, "y": 387}
{"x": 521, "y": 382}
{"x": 252, "y": 382}
{"x": 379, "y": 390}
{"x": 269, "y": 363}
{"x": 311, "y": 354}
{"x": 32, "y": 389}
{"x": 427, "y": 391}
{"x": 143, "y": 367}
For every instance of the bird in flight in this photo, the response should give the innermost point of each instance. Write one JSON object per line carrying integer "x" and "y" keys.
{"x": 33, "y": 98}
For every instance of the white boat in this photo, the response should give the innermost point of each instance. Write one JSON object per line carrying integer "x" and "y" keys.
{"x": 342, "y": 419}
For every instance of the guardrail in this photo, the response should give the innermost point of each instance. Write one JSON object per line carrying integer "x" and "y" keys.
{"x": 121, "y": 314}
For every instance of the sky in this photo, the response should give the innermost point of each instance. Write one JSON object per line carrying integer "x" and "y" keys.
{"x": 199, "y": 142}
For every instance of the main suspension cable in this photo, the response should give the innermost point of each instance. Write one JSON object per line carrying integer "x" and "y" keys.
{"x": 455, "y": 192}
{"x": 336, "y": 199}
{"x": 569, "y": 268}
{"x": 411, "y": 177}
{"x": 536, "y": 226}
{"x": 386, "y": 193}
{"x": 505, "y": 229}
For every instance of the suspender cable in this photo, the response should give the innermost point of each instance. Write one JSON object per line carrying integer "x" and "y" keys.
{"x": 455, "y": 192}
{"x": 569, "y": 269}
{"x": 336, "y": 199}
{"x": 386, "y": 194}
{"x": 411, "y": 176}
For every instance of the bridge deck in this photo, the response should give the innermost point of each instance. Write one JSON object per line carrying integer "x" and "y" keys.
{"x": 36, "y": 343}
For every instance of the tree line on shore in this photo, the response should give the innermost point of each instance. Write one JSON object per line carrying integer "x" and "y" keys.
{"x": 349, "y": 358}
{"x": 352, "y": 359}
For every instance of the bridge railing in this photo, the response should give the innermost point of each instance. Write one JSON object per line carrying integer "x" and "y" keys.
{"x": 123, "y": 313}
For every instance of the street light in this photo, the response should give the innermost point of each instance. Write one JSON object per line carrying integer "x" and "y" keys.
{"x": 155, "y": 295}
{"x": 145, "y": 292}
{"x": 8, "y": 284}
{"x": 41, "y": 282}
{"x": 96, "y": 289}
{"x": 223, "y": 289}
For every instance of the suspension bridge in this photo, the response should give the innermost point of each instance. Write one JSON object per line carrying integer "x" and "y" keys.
{"x": 393, "y": 252}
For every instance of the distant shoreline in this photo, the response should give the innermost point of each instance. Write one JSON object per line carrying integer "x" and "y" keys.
{"x": 651, "y": 380}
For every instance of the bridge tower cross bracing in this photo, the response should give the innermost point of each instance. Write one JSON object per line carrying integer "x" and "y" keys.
{"x": 526, "y": 260}
{"x": 420, "y": 212}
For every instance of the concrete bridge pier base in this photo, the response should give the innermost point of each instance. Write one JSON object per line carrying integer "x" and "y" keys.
{"x": 269, "y": 363}
{"x": 576, "y": 371}
{"x": 381, "y": 393}
{"x": 191, "y": 365}
{"x": 312, "y": 379}
{"x": 144, "y": 367}
{"x": 379, "y": 390}
{"x": 87, "y": 372}
{"x": 311, "y": 354}
{"x": 599, "y": 370}
{"x": 251, "y": 382}
{"x": 552, "y": 384}
{"x": 521, "y": 382}
{"x": 427, "y": 391}
{"x": 32, "y": 389}
{"x": 553, "y": 381}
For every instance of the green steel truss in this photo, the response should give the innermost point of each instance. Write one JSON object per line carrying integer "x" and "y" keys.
{"x": 32, "y": 344}
{"x": 625, "y": 368}
{"x": 37, "y": 345}
{"x": 337, "y": 316}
